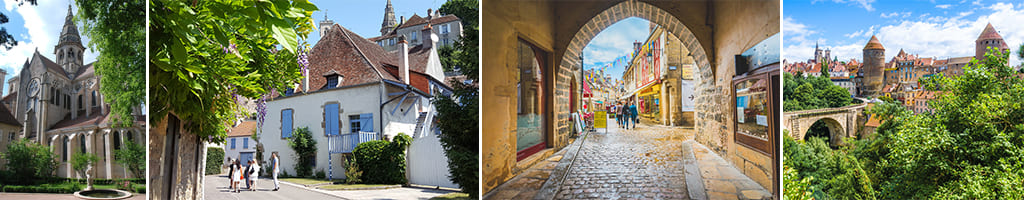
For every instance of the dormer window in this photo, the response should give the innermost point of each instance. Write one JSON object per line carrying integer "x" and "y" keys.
{"x": 334, "y": 79}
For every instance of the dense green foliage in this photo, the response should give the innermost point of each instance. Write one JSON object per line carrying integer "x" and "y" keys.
{"x": 117, "y": 30}
{"x": 305, "y": 151}
{"x": 352, "y": 173}
{"x": 214, "y": 160}
{"x": 459, "y": 129}
{"x": 812, "y": 92}
{"x": 793, "y": 186}
{"x": 383, "y": 162}
{"x": 28, "y": 161}
{"x": 133, "y": 157}
{"x": 204, "y": 53}
{"x": 81, "y": 161}
{"x": 970, "y": 147}
{"x": 64, "y": 188}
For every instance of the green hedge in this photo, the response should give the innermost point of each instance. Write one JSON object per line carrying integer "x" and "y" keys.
{"x": 70, "y": 187}
{"x": 95, "y": 181}
{"x": 214, "y": 160}
{"x": 383, "y": 162}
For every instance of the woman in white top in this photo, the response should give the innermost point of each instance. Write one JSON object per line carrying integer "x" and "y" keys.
{"x": 237, "y": 177}
{"x": 253, "y": 174}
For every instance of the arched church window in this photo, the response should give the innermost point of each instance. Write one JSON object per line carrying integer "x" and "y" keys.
{"x": 81, "y": 143}
{"x": 117, "y": 140}
{"x": 94, "y": 98}
{"x": 80, "y": 102}
{"x": 128, "y": 136}
{"x": 64, "y": 150}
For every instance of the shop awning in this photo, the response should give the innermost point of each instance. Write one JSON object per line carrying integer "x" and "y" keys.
{"x": 586, "y": 90}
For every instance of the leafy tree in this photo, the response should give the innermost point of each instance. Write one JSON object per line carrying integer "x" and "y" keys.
{"x": 81, "y": 161}
{"x": 205, "y": 54}
{"x": 304, "y": 145}
{"x": 461, "y": 110}
{"x": 28, "y": 161}
{"x": 812, "y": 92}
{"x": 6, "y": 39}
{"x": 116, "y": 30}
{"x": 133, "y": 157}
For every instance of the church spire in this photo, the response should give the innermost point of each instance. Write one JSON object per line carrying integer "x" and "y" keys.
{"x": 389, "y": 20}
{"x": 69, "y": 47}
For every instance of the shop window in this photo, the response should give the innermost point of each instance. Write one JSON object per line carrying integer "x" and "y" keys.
{"x": 530, "y": 123}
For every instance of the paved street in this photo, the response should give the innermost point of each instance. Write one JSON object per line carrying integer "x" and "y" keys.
{"x": 641, "y": 163}
{"x": 216, "y": 187}
{"x": 649, "y": 162}
{"x": 48, "y": 196}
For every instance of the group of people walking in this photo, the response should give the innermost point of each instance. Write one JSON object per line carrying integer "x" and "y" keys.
{"x": 625, "y": 114}
{"x": 250, "y": 173}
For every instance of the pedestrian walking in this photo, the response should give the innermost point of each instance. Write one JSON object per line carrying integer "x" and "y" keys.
{"x": 633, "y": 114}
{"x": 231, "y": 172}
{"x": 245, "y": 174}
{"x": 618, "y": 118}
{"x": 236, "y": 176}
{"x": 624, "y": 112}
{"x": 254, "y": 174}
{"x": 275, "y": 163}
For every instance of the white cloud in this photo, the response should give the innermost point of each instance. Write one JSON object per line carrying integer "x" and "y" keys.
{"x": 943, "y": 6}
{"x": 862, "y": 33}
{"x": 615, "y": 41}
{"x": 896, "y": 14}
{"x": 42, "y": 26}
{"x": 940, "y": 37}
{"x": 866, "y": 4}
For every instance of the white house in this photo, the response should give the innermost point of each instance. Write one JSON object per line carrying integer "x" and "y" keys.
{"x": 239, "y": 143}
{"x": 354, "y": 92}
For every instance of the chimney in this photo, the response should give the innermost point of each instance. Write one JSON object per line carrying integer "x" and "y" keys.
{"x": 403, "y": 70}
{"x": 305, "y": 80}
{"x": 402, "y": 22}
{"x": 428, "y": 36}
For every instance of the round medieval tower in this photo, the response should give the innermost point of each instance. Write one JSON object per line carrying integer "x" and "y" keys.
{"x": 874, "y": 61}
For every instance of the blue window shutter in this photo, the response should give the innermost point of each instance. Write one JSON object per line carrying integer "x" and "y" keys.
{"x": 367, "y": 123}
{"x": 245, "y": 143}
{"x": 232, "y": 143}
{"x": 286, "y": 123}
{"x": 331, "y": 123}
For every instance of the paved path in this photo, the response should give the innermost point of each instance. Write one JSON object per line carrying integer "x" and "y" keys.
{"x": 640, "y": 163}
{"x": 216, "y": 188}
{"x": 648, "y": 162}
{"x": 48, "y": 196}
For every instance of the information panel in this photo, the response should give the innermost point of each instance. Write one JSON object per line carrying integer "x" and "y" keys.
{"x": 600, "y": 119}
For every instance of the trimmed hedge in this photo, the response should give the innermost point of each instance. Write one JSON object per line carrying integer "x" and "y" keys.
{"x": 214, "y": 160}
{"x": 383, "y": 162}
{"x": 95, "y": 181}
{"x": 64, "y": 188}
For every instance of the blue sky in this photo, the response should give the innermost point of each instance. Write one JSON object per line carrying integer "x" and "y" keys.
{"x": 613, "y": 42}
{"x": 35, "y": 27}
{"x": 365, "y": 17}
{"x": 940, "y": 29}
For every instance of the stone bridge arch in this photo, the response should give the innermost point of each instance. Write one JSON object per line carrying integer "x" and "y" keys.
{"x": 841, "y": 122}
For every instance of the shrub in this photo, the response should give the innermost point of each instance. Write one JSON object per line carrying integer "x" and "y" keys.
{"x": 383, "y": 162}
{"x": 352, "y": 172}
{"x": 133, "y": 157}
{"x": 64, "y": 188}
{"x": 214, "y": 160}
{"x": 28, "y": 161}
{"x": 320, "y": 174}
{"x": 305, "y": 151}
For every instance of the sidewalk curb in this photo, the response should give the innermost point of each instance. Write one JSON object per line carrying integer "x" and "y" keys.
{"x": 312, "y": 189}
{"x": 691, "y": 171}
{"x": 561, "y": 171}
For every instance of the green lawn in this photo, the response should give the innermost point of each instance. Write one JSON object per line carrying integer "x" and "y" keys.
{"x": 453, "y": 195}
{"x": 305, "y": 181}
{"x": 350, "y": 186}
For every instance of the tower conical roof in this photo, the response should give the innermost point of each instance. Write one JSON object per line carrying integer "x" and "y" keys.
{"x": 69, "y": 33}
{"x": 874, "y": 44}
{"x": 989, "y": 33}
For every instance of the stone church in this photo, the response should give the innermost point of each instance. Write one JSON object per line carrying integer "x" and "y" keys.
{"x": 58, "y": 104}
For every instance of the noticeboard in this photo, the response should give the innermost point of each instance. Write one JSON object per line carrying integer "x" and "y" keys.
{"x": 600, "y": 119}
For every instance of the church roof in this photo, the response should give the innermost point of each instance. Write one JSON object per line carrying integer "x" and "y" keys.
{"x": 874, "y": 44}
{"x": 47, "y": 63}
{"x": 7, "y": 117}
{"x": 989, "y": 33}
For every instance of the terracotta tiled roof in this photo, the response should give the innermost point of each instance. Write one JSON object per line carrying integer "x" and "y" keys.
{"x": 417, "y": 20}
{"x": 874, "y": 44}
{"x": 95, "y": 119}
{"x": 357, "y": 59}
{"x": 989, "y": 33}
{"x": 873, "y": 121}
{"x": 10, "y": 97}
{"x": 7, "y": 117}
{"x": 244, "y": 129}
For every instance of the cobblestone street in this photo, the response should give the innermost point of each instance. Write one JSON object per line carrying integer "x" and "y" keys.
{"x": 648, "y": 162}
{"x": 641, "y": 163}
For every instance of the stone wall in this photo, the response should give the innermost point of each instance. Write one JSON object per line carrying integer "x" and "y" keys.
{"x": 187, "y": 171}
